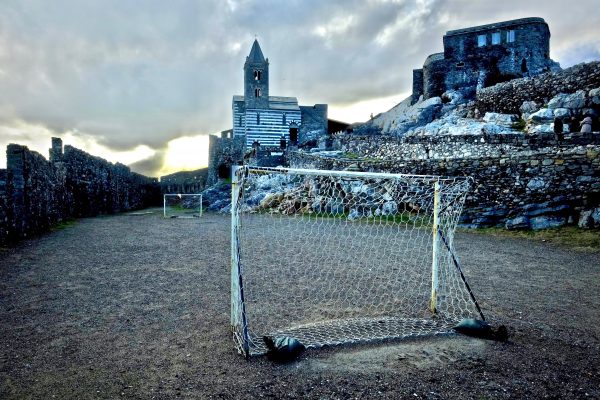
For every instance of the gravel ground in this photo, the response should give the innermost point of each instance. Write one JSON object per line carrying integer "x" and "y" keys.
{"x": 137, "y": 306}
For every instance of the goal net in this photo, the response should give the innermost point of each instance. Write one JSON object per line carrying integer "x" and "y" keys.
{"x": 334, "y": 257}
{"x": 182, "y": 205}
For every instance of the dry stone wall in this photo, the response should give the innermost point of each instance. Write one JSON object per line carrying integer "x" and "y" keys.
{"x": 537, "y": 189}
{"x": 508, "y": 97}
{"x": 36, "y": 193}
{"x": 454, "y": 146}
{"x": 189, "y": 182}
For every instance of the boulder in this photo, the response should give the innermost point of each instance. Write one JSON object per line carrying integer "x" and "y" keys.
{"x": 528, "y": 108}
{"x": 389, "y": 208}
{"x": 452, "y": 97}
{"x": 505, "y": 120}
{"x": 585, "y": 219}
{"x": 562, "y": 112}
{"x": 544, "y": 115}
{"x": 520, "y": 222}
{"x": 573, "y": 101}
{"x": 596, "y": 217}
{"x": 540, "y": 128}
{"x": 590, "y": 218}
{"x": 594, "y": 96}
{"x": 547, "y": 222}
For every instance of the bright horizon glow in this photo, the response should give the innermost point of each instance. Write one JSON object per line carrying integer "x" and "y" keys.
{"x": 362, "y": 110}
{"x": 186, "y": 153}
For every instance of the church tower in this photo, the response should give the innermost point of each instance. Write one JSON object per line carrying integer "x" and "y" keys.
{"x": 256, "y": 79}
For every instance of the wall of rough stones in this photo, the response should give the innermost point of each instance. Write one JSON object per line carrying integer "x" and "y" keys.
{"x": 538, "y": 189}
{"x": 188, "y": 182}
{"x": 313, "y": 124}
{"x": 509, "y": 96}
{"x": 222, "y": 154}
{"x": 36, "y": 193}
{"x": 455, "y": 147}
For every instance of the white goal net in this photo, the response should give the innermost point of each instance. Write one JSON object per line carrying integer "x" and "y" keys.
{"x": 333, "y": 257}
{"x": 182, "y": 205}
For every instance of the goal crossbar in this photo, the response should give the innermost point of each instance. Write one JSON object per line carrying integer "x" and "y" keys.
{"x": 346, "y": 174}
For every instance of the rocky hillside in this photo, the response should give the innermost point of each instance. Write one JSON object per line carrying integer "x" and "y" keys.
{"x": 529, "y": 104}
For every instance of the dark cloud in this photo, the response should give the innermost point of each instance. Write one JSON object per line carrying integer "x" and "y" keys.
{"x": 133, "y": 73}
{"x": 149, "y": 166}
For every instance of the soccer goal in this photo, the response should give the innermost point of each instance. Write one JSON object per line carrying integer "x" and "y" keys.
{"x": 335, "y": 257}
{"x": 182, "y": 205}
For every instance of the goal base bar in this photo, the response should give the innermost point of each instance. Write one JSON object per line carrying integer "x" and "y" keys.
{"x": 358, "y": 331}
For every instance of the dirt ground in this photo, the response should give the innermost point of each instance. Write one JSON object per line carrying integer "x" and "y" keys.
{"x": 136, "y": 306}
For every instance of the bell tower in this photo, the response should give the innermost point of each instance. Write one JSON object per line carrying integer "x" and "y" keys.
{"x": 256, "y": 79}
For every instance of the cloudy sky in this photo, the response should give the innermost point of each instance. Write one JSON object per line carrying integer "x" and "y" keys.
{"x": 145, "y": 82}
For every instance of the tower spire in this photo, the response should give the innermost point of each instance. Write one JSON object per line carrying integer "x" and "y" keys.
{"x": 256, "y": 79}
{"x": 256, "y": 54}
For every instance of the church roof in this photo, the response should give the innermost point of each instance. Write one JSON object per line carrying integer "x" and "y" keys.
{"x": 283, "y": 103}
{"x": 276, "y": 102}
{"x": 496, "y": 25}
{"x": 256, "y": 55}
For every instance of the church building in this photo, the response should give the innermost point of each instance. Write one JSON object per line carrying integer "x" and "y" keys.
{"x": 265, "y": 119}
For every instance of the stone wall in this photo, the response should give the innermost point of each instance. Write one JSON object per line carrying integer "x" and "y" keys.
{"x": 537, "y": 189}
{"x": 185, "y": 182}
{"x": 417, "y": 88}
{"x": 313, "y": 124}
{"x": 455, "y": 146}
{"x": 36, "y": 194}
{"x": 222, "y": 154}
{"x": 508, "y": 97}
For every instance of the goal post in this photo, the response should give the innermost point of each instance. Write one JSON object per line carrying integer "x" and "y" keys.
{"x": 334, "y": 257}
{"x": 182, "y": 205}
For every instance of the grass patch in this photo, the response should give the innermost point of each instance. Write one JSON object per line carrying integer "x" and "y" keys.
{"x": 405, "y": 218}
{"x": 568, "y": 236}
{"x": 69, "y": 223}
{"x": 519, "y": 125}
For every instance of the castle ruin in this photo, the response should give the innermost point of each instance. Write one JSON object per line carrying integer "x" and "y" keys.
{"x": 482, "y": 56}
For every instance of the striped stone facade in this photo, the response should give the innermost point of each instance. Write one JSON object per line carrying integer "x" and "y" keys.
{"x": 266, "y": 125}
{"x": 261, "y": 117}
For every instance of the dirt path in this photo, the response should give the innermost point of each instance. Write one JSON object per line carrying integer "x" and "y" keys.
{"x": 137, "y": 306}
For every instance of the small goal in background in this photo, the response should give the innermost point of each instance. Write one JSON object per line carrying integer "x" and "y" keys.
{"x": 182, "y": 205}
{"x": 335, "y": 257}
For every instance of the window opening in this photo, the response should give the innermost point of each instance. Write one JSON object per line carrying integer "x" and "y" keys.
{"x": 481, "y": 40}
{"x": 257, "y": 75}
{"x": 496, "y": 38}
{"x": 257, "y": 92}
{"x": 510, "y": 36}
